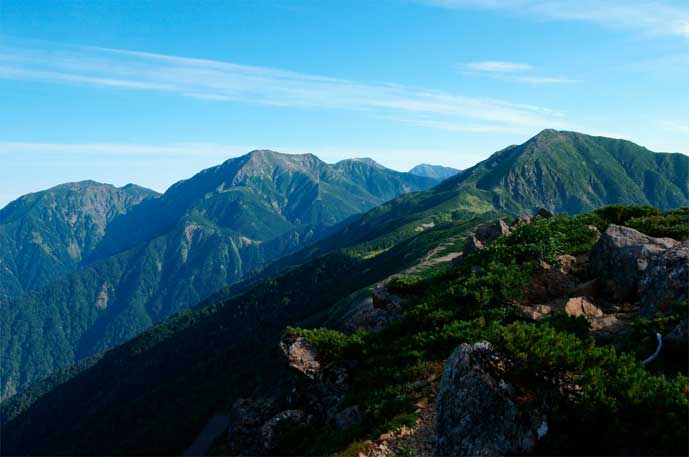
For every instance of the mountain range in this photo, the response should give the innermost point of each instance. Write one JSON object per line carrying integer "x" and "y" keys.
{"x": 97, "y": 269}
{"x": 323, "y": 235}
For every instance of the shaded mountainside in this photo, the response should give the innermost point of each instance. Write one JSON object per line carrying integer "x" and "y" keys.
{"x": 434, "y": 171}
{"x": 181, "y": 371}
{"x": 193, "y": 365}
{"x": 171, "y": 252}
{"x": 47, "y": 234}
{"x": 153, "y": 394}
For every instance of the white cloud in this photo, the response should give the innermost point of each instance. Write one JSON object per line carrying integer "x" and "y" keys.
{"x": 510, "y": 71}
{"x": 498, "y": 67}
{"x": 675, "y": 127}
{"x": 219, "y": 81}
{"x": 542, "y": 79}
{"x": 653, "y": 17}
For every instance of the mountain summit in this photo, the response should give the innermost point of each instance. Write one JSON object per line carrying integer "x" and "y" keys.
{"x": 139, "y": 263}
{"x": 434, "y": 171}
{"x": 46, "y": 234}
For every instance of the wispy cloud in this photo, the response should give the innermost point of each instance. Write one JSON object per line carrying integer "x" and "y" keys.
{"x": 675, "y": 127}
{"x": 511, "y": 71}
{"x": 653, "y": 17}
{"x": 220, "y": 81}
{"x": 495, "y": 66}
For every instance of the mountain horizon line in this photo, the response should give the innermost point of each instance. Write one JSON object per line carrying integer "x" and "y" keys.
{"x": 435, "y": 170}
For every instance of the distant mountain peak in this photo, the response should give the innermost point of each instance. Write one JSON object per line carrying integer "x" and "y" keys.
{"x": 365, "y": 160}
{"x": 434, "y": 171}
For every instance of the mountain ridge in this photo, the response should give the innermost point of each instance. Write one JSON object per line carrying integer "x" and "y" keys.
{"x": 172, "y": 251}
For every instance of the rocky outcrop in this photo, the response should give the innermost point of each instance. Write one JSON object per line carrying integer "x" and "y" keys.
{"x": 478, "y": 412}
{"x": 665, "y": 281}
{"x": 582, "y": 306}
{"x": 544, "y": 213}
{"x": 487, "y": 233}
{"x": 301, "y": 355}
{"x": 348, "y": 418}
{"x": 309, "y": 393}
{"x": 620, "y": 258}
{"x": 472, "y": 246}
{"x": 247, "y": 418}
{"x": 550, "y": 282}
{"x": 678, "y": 339}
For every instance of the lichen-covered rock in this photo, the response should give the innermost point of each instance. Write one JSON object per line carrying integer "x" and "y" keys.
{"x": 301, "y": 355}
{"x": 491, "y": 232}
{"x": 665, "y": 281}
{"x": 621, "y": 256}
{"x": 476, "y": 411}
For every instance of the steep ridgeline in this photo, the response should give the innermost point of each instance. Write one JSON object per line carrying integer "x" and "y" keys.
{"x": 47, "y": 234}
{"x": 434, "y": 171}
{"x": 169, "y": 253}
{"x": 563, "y": 172}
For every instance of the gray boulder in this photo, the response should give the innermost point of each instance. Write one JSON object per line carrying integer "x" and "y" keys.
{"x": 665, "y": 282}
{"x": 620, "y": 258}
{"x": 476, "y": 410}
{"x": 678, "y": 339}
{"x": 491, "y": 232}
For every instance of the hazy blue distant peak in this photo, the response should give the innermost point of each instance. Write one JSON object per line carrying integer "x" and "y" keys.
{"x": 434, "y": 171}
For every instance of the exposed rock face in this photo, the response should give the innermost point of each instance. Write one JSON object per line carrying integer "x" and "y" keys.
{"x": 589, "y": 288}
{"x": 348, "y": 418}
{"x": 620, "y": 258}
{"x": 582, "y": 306}
{"x": 678, "y": 338}
{"x": 383, "y": 298}
{"x": 476, "y": 411}
{"x": 523, "y": 219}
{"x": 491, "y": 232}
{"x": 544, "y": 213}
{"x": 302, "y": 356}
{"x": 472, "y": 246}
{"x": 246, "y": 421}
{"x": 273, "y": 430}
{"x": 666, "y": 280}
{"x": 552, "y": 281}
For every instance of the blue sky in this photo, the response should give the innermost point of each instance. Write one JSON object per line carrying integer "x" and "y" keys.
{"x": 153, "y": 91}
